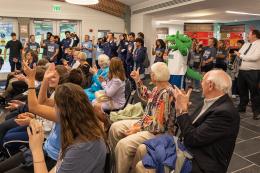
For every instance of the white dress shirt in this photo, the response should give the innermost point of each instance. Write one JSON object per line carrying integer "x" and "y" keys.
{"x": 250, "y": 61}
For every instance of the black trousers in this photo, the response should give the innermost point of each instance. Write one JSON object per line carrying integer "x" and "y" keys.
{"x": 248, "y": 81}
{"x": 14, "y": 164}
{"x": 18, "y": 65}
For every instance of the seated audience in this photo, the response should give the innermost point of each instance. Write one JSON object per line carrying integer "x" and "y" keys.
{"x": 126, "y": 135}
{"x": 210, "y": 132}
{"x": 103, "y": 61}
{"x": 75, "y": 63}
{"x": 11, "y": 135}
{"x": 43, "y": 107}
{"x": 82, "y": 137}
{"x": 114, "y": 87}
{"x": 85, "y": 68}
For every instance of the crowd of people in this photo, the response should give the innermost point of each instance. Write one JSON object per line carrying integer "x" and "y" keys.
{"x": 57, "y": 117}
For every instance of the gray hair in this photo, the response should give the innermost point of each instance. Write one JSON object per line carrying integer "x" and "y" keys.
{"x": 161, "y": 72}
{"x": 82, "y": 56}
{"x": 103, "y": 59}
{"x": 221, "y": 80}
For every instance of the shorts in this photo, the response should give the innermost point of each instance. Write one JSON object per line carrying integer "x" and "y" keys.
{"x": 178, "y": 80}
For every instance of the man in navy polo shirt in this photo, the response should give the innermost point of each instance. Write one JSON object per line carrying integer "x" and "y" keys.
{"x": 65, "y": 43}
{"x": 110, "y": 48}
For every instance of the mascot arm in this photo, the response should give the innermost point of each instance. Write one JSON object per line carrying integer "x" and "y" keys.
{"x": 193, "y": 74}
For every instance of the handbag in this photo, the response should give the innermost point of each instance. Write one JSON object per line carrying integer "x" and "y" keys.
{"x": 102, "y": 97}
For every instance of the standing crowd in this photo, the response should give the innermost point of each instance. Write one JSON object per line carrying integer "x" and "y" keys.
{"x": 59, "y": 107}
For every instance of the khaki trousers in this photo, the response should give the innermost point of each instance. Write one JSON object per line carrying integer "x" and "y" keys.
{"x": 125, "y": 147}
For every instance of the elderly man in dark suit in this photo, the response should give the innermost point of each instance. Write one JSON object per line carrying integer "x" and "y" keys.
{"x": 210, "y": 132}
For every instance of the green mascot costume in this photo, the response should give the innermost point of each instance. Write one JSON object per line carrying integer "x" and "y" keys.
{"x": 180, "y": 45}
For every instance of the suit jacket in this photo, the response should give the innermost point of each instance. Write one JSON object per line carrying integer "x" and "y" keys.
{"x": 139, "y": 57}
{"x": 211, "y": 139}
{"x": 110, "y": 49}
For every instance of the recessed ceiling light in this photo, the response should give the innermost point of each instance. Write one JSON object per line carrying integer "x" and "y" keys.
{"x": 83, "y": 2}
{"x": 242, "y": 13}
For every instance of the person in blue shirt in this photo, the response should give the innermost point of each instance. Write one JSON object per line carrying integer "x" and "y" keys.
{"x": 159, "y": 50}
{"x": 129, "y": 55}
{"x": 221, "y": 56}
{"x": 139, "y": 57}
{"x": 87, "y": 47}
{"x": 209, "y": 55}
{"x": 110, "y": 47}
{"x": 103, "y": 61}
{"x": 65, "y": 43}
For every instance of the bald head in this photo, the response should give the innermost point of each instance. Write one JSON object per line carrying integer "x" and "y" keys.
{"x": 221, "y": 80}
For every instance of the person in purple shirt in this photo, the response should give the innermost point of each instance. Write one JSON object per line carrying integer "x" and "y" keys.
{"x": 114, "y": 88}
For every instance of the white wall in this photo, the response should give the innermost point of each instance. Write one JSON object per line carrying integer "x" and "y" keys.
{"x": 91, "y": 19}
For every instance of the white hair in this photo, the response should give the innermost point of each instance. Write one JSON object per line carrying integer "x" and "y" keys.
{"x": 82, "y": 56}
{"x": 103, "y": 59}
{"x": 221, "y": 80}
{"x": 160, "y": 71}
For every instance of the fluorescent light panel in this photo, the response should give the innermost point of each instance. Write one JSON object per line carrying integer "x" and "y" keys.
{"x": 242, "y": 13}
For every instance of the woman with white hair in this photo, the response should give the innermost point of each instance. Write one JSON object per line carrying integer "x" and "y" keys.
{"x": 125, "y": 136}
{"x": 103, "y": 62}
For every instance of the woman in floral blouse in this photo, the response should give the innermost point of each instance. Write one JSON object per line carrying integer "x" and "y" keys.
{"x": 126, "y": 135}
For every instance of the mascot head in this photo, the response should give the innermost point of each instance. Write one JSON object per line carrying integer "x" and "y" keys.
{"x": 180, "y": 42}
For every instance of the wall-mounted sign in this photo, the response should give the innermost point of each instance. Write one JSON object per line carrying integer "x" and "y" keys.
{"x": 56, "y": 8}
{"x": 232, "y": 28}
{"x": 198, "y": 27}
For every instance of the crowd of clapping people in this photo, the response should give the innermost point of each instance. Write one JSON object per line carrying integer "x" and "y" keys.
{"x": 58, "y": 107}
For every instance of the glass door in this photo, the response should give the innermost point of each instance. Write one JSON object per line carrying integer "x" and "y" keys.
{"x": 57, "y": 27}
{"x": 7, "y": 26}
{"x": 73, "y": 27}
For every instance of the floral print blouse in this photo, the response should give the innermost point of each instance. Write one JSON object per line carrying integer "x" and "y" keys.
{"x": 159, "y": 115}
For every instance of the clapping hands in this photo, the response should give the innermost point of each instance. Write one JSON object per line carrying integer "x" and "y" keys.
{"x": 182, "y": 100}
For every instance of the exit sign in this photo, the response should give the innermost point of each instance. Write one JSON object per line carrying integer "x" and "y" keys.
{"x": 56, "y": 8}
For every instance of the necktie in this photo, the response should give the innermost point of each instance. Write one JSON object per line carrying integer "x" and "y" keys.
{"x": 248, "y": 49}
